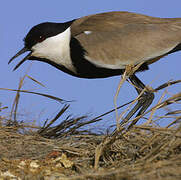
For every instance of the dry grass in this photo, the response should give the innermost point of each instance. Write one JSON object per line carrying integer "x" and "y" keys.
{"x": 68, "y": 151}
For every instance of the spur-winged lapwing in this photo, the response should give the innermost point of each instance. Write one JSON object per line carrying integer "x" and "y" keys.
{"x": 102, "y": 45}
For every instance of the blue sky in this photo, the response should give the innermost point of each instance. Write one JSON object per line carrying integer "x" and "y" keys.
{"x": 91, "y": 96}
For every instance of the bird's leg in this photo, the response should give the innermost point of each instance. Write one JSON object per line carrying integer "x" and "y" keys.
{"x": 129, "y": 72}
{"x": 144, "y": 101}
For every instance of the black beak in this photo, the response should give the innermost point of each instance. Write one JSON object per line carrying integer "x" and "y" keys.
{"x": 18, "y": 54}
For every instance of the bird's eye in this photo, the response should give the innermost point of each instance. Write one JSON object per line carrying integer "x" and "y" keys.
{"x": 40, "y": 39}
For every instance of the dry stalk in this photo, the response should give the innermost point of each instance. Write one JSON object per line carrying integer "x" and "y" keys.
{"x": 16, "y": 100}
{"x": 154, "y": 110}
{"x": 36, "y": 93}
{"x": 129, "y": 70}
{"x": 108, "y": 141}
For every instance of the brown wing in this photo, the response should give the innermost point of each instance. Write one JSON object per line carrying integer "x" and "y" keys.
{"x": 109, "y": 21}
{"x": 123, "y": 43}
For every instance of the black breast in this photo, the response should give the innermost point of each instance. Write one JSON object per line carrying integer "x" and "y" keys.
{"x": 86, "y": 69}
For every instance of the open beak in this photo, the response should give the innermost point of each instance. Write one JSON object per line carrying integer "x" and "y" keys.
{"x": 18, "y": 54}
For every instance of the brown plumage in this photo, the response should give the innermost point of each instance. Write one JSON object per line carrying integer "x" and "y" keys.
{"x": 123, "y": 38}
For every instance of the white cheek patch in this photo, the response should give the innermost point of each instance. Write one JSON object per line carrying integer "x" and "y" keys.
{"x": 87, "y": 32}
{"x": 55, "y": 48}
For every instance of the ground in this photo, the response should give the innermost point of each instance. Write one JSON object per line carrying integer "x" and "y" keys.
{"x": 146, "y": 151}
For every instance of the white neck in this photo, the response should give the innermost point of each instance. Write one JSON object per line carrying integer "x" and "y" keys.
{"x": 56, "y": 49}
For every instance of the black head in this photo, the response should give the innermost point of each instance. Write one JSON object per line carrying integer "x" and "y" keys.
{"x": 44, "y": 30}
{"x": 38, "y": 34}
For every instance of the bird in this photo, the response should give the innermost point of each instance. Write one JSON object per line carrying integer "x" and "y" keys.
{"x": 103, "y": 45}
